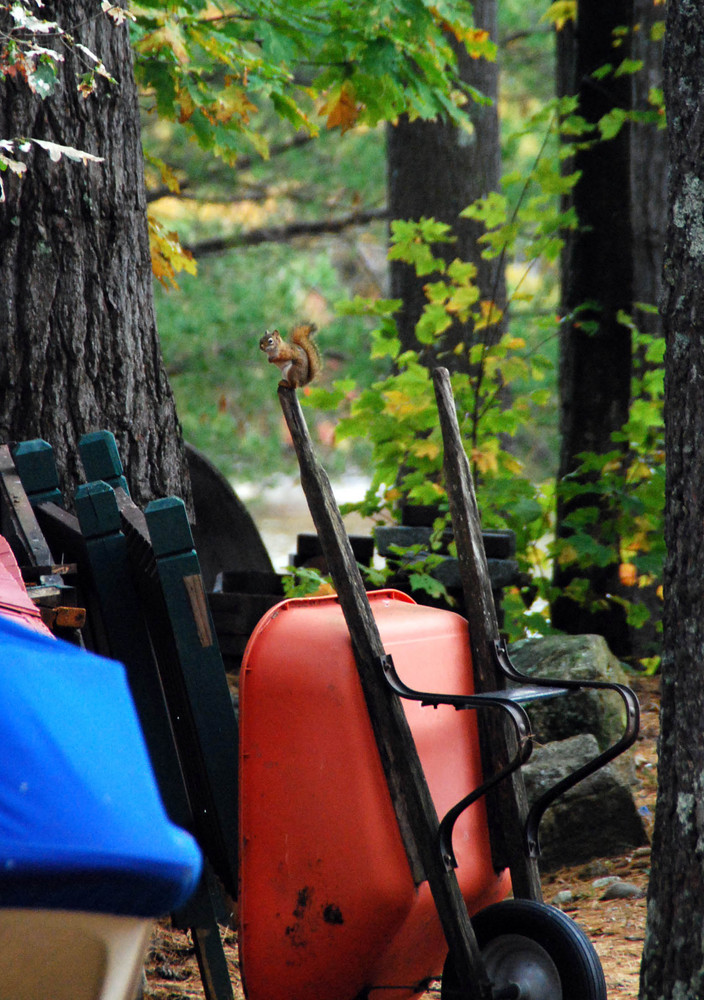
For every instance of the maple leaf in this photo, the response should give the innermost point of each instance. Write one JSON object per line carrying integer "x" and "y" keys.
{"x": 341, "y": 108}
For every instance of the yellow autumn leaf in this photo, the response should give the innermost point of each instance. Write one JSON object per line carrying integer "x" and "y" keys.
{"x": 567, "y": 554}
{"x": 187, "y": 106}
{"x": 476, "y": 40}
{"x": 398, "y": 404}
{"x": 512, "y": 464}
{"x": 168, "y": 177}
{"x": 485, "y": 461}
{"x": 237, "y": 103}
{"x": 168, "y": 256}
{"x": 560, "y": 12}
{"x": 169, "y": 35}
{"x": 489, "y": 314}
{"x": 426, "y": 449}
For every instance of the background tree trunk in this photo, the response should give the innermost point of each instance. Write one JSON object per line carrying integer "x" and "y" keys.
{"x": 673, "y": 958}
{"x": 649, "y": 225}
{"x": 78, "y": 341}
{"x": 648, "y": 172}
{"x": 435, "y": 170}
{"x": 595, "y": 349}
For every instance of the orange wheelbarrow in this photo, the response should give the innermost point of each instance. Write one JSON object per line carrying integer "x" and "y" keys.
{"x": 329, "y": 909}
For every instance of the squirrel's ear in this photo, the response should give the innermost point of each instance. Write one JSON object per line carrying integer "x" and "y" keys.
{"x": 275, "y": 333}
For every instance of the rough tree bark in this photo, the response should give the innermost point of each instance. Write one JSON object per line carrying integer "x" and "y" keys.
{"x": 435, "y": 170}
{"x": 78, "y": 341}
{"x": 673, "y": 958}
{"x": 595, "y": 349}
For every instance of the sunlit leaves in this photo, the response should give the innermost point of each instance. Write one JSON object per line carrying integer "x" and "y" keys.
{"x": 168, "y": 256}
{"x": 560, "y": 12}
{"x": 412, "y": 243}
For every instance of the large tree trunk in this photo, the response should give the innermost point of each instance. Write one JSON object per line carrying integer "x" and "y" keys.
{"x": 435, "y": 171}
{"x": 673, "y": 959}
{"x": 595, "y": 349}
{"x": 78, "y": 340}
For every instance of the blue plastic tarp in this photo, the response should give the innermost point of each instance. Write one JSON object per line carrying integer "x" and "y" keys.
{"x": 82, "y": 825}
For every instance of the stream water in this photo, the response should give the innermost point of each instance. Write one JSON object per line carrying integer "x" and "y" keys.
{"x": 280, "y": 513}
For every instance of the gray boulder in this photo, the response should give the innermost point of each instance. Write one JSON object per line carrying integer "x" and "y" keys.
{"x": 578, "y": 657}
{"x": 596, "y": 818}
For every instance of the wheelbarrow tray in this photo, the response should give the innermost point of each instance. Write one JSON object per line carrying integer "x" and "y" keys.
{"x": 328, "y": 905}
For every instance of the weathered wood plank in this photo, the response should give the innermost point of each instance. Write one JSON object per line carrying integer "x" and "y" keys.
{"x": 507, "y": 804}
{"x": 195, "y": 684}
{"x": 412, "y": 801}
{"x": 17, "y": 519}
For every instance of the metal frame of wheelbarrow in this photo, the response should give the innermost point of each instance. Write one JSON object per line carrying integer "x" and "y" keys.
{"x": 428, "y": 841}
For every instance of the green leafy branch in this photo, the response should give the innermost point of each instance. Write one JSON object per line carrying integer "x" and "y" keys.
{"x": 323, "y": 60}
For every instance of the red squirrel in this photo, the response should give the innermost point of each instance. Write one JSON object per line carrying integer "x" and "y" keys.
{"x": 298, "y": 361}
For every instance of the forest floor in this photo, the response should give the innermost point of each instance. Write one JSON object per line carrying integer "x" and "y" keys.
{"x": 616, "y": 926}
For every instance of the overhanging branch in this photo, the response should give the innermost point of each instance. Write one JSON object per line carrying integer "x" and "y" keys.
{"x": 282, "y": 234}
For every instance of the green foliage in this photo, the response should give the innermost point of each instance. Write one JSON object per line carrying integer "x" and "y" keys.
{"x": 211, "y": 68}
{"x": 303, "y": 581}
{"x": 501, "y": 389}
{"x": 621, "y": 493}
{"x": 398, "y": 416}
{"x": 241, "y": 77}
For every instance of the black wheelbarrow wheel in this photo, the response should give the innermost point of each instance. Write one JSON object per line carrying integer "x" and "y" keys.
{"x": 532, "y": 951}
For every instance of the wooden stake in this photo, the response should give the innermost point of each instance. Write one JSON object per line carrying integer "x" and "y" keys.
{"x": 507, "y": 804}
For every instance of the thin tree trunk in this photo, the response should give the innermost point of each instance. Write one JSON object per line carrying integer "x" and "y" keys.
{"x": 78, "y": 341}
{"x": 597, "y": 281}
{"x": 673, "y": 957}
{"x": 435, "y": 170}
{"x": 648, "y": 173}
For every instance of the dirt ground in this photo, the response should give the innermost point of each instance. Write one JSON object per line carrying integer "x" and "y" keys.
{"x": 616, "y": 927}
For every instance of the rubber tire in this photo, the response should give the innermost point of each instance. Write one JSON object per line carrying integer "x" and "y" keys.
{"x": 577, "y": 963}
